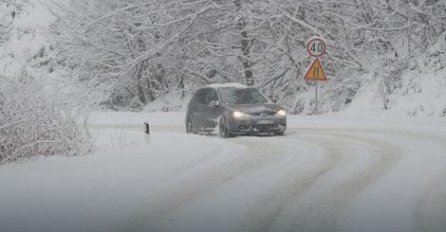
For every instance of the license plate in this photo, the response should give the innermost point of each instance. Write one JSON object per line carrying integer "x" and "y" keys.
{"x": 265, "y": 122}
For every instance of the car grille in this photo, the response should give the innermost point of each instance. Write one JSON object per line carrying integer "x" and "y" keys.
{"x": 265, "y": 127}
{"x": 263, "y": 113}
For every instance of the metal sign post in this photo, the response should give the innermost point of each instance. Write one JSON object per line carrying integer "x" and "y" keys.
{"x": 316, "y": 97}
{"x": 316, "y": 48}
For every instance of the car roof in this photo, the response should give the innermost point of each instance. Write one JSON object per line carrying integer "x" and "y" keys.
{"x": 227, "y": 85}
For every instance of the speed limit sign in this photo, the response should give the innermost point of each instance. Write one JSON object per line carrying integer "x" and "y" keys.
{"x": 316, "y": 47}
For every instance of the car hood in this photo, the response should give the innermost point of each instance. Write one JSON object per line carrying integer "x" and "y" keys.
{"x": 255, "y": 109}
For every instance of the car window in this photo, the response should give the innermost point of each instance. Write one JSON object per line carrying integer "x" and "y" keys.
{"x": 200, "y": 96}
{"x": 211, "y": 96}
{"x": 242, "y": 96}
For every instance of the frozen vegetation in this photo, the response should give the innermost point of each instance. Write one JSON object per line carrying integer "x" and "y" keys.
{"x": 373, "y": 161}
{"x": 36, "y": 115}
{"x": 384, "y": 57}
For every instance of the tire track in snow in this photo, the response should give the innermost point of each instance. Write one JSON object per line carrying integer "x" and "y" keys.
{"x": 430, "y": 212}
{"x": 429, "y": 216}
{"x": 196, "y": 163}
{"x": 335, "y": 198}
{"x": 326, "y": 206}
{"x": 256, "y": 155}
{"x": 431, "y": 209}
{"x": 267, "y": 208}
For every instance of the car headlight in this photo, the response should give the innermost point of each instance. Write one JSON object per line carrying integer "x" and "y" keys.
{"x": 238, "y": 114}
{"x": 281, "y": 113}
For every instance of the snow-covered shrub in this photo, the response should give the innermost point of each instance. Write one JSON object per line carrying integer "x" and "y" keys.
{"x": 33, "y": 123}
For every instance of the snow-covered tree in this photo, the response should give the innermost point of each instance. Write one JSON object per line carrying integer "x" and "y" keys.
{"x": 148, "y": 49}
{"x": 34, "y": 119}
{"x": 34, "y": 124}
{"x": 135, "y": 52}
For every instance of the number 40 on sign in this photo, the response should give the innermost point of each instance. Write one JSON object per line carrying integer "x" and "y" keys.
{"x": 316, "y": 47}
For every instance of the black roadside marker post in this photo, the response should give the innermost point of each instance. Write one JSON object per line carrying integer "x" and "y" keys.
{"x": 146, "y": 128}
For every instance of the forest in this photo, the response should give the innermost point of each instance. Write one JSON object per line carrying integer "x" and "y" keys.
{"x": 138, "y": 51}
{"x": 124, "y": 55}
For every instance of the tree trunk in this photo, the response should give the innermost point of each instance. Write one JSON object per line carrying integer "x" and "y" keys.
{"x": 150, "y": 93}
{"x": 181, "y": 85}
{"x": 246, "y": 44}
{"x": 139, "y": 77}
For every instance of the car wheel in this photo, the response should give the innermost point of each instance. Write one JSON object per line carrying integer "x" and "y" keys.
{"x": 223, "y": 128}
{"x": 189, "y": 126}
{"x": 280, "y": 133}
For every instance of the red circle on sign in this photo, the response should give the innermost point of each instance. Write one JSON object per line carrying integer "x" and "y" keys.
{"x": 316, "y": 47}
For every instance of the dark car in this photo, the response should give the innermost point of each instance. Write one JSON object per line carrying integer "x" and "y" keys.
{"x": 236, "y": 109}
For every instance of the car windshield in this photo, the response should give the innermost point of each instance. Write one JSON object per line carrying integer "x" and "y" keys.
{"x": 242, "y": 96}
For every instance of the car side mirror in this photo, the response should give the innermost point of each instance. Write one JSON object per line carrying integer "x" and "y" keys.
{"x": 214, "y": 103}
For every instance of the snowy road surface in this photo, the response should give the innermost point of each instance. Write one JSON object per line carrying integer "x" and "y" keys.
{"x": 328, "y": 173}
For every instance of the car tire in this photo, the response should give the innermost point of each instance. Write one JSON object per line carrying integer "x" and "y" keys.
{"x": 280, "y": 133}
{"x": 190, "y": 128}
{"x": 223, "y": 128}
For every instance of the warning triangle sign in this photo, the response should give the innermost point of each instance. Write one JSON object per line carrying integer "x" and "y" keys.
{"x": 315, "y": 72}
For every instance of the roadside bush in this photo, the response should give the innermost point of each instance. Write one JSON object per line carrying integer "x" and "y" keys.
{"x": 34, "y": 124}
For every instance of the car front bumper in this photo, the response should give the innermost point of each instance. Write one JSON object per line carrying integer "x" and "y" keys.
{"x": 257, "y": 125}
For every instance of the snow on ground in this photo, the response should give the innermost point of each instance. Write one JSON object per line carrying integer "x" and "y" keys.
{"x": 422, "y": 93}
{"x": 333, "y": 172}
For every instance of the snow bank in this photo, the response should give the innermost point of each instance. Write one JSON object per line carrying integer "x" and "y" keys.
{"x": 95, "y": 192}
{"x": 136, "y": 119}
{"x": 421, "y": 94}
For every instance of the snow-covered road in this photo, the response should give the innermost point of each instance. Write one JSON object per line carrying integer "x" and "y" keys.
{"x": 328, "y": 173}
